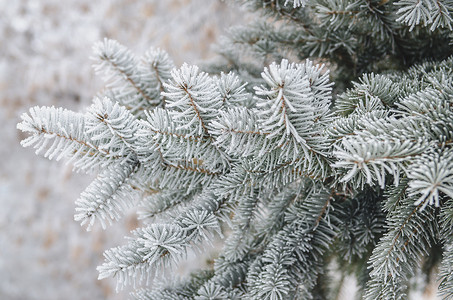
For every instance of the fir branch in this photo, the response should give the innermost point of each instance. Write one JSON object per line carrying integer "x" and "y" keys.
{"x": 287, "y": 267}
{"x": 194, "y": 99}
{"x": 61, "y": 133}
{"x": 112, "y": 126}
{"x": 431, "y": 174}
{"x": 446, "y": 265}
{"x": 156, "y": 69}
{"x": 397, "y": 253}
{"x": 108, "y": 196}
{"x": 160, "y": 133}
{"x": 115, "y": 58}
{"x": 369, "y": 160}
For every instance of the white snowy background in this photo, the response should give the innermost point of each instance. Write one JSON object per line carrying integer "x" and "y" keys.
{"x": 44, "y": 60}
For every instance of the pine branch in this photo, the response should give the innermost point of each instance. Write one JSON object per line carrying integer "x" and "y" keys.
{"x": 193, "y": 98}
{"x": 430, "y": 175}
{"x": 425, "y": 12}
{"x": 112, "y": 126}
{"x": 61, "y": 133}
{"x": 151, "y": 250}
{"x": 164, "y": 204}
{"x": 160, "y": 246}
{"x": 232, "y": 90}
{"x": 156, "y": 70}
{"x": 237, "y": 131}
{"x": 288, "y": 266}
{"x": 160, "y": 133}
{"x": 178, "y": 289}
{"x": 108, "y": 196}
{"x": 446, "y": 265}
{"x": 371, "y": 87}
{"x": 134, "y": 83}
{"x": 398, "y": 252}
{"x": 369, "y": 160}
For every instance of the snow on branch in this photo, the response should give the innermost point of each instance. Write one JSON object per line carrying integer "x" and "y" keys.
{"x": 431, "y": 175}
{"x": 108, "y": 196}
{"x": 61, "y": 133}
{"x": 135, "y": 83}
{"x": 193, "y": 99}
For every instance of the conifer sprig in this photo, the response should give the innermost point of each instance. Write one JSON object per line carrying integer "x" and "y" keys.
{"x": 296, "y": 174}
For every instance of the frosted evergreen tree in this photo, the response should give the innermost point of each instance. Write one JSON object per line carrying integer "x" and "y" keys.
{"x": 296, "y": 167}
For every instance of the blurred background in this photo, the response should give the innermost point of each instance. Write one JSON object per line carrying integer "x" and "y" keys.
{"x": 45, "y": 47}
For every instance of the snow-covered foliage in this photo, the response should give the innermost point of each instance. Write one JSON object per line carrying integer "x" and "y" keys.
{"x": 44, "y": 60}
{"x": 297, "y": 177}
